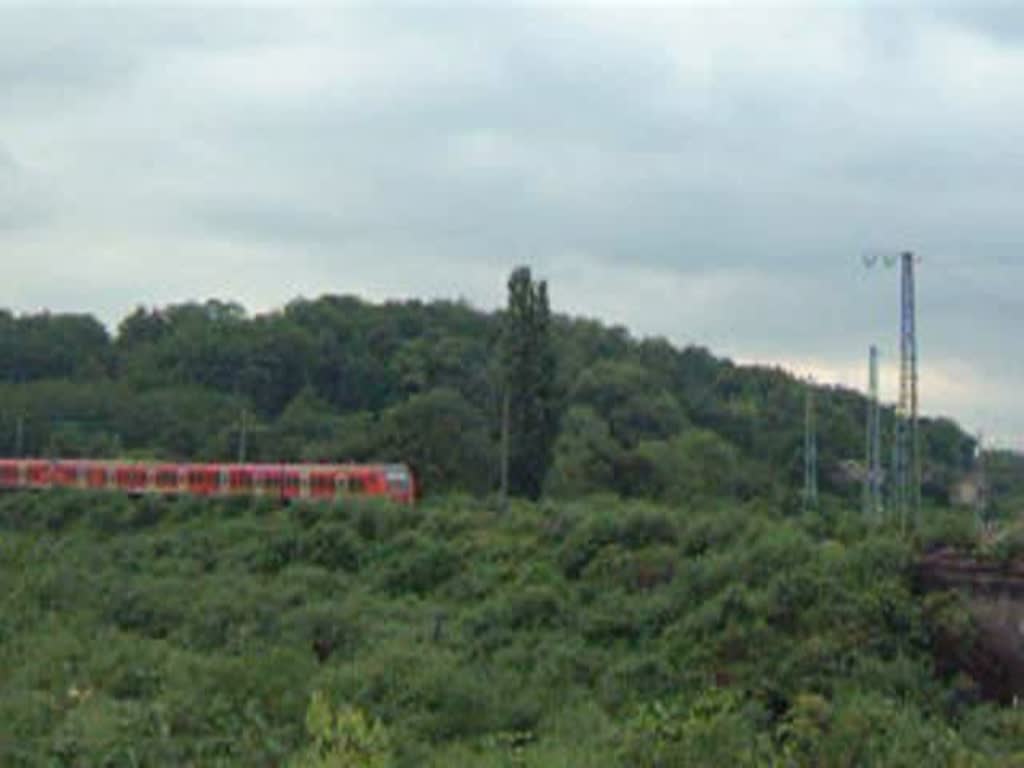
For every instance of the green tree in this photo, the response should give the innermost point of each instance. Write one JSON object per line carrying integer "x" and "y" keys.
{"x": 444, "y": 438}
{"x": 306, "y": 420}
{"x": 142, "y": 326}
{"x": 528, "y": 365}
{"x": 628, "y": 396}
{"x": 585, "y": 455}
{"x": 696, "y": 463}
{"x": 51, "y": 346}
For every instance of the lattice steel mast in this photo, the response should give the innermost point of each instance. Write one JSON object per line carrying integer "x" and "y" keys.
{"x": 907, "y": 438}
{"x": 910, "y": 450}
{"x": 905, "y": 476}
{"x": 810, "y": 451}
{"x": 873, "y": 507}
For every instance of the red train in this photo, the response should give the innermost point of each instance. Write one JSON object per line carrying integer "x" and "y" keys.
{"x": 282, "y": 481}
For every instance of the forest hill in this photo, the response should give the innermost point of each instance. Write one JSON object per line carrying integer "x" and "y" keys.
{"x": 337, "y": 378}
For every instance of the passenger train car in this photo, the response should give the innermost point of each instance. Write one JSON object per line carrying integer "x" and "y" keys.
{"x": 322, "y": 482}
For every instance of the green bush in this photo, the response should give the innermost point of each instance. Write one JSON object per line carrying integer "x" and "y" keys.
{"x": 343, "y": 738}
{"x": 414, "y": 563}
{"x": 607, "y": 633}
{"x": 333, "y": 546}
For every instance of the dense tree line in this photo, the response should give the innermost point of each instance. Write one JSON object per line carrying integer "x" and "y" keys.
{"x": 339, "y": 378}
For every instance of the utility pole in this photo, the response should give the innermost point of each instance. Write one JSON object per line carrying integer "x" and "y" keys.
{"x": 907, "y": 447}
{"x": 506, "y": 406}
{"x": 981, "y": 499}
{"x": 242, "y": 436}
{"x": 910, "y": 331}
{"x": 873, "y": 447}
{"x": 898, "y": 486}
{"x": 906, "y": 475}
{"x": 810, "y": 450}
{"x": 19, "y": 435}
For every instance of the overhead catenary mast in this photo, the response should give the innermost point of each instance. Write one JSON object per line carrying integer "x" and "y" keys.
{"x": 981, "y": 498}
{"x": 907, "y": 438}
{"x": 906, "y": 474}
{"x": 810, "y": 450}
{"x": 243, "y": 429}
{"x": 873, "y": 507}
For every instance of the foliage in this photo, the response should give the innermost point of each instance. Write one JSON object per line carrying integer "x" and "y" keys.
{"x": 695, "y": 464}
{"x": 337, "y": 378}
{"x": 444, "y": 439}
{"x": 585, "y": 455}
{"x": 715, "y": 729}
{"x": 665, "y": 604}
{"x": 528, "y": 370}
{"x": 596, "y": 632}
{"x": 343, "y": 738}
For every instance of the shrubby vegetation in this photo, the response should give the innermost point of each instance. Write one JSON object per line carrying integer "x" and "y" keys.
{"x": 663, "y": 602}
{"x": 590, "y": 632}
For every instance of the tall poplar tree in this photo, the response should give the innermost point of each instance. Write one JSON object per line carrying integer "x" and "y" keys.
{"x": 528, "y": 365}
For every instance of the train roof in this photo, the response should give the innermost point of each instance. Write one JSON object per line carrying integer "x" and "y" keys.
{"x": 214, "y": 465}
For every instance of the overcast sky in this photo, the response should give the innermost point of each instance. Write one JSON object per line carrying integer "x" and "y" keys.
{"x": 712, "y": 173}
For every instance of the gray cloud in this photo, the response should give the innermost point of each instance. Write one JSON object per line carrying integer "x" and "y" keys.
{"x": 24, "y": 202}
{"x": 713, "y": 175}
{"x": 998, "y": 20}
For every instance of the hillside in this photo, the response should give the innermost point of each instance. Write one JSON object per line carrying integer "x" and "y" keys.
{"x": 339, "y": 378}
{"x": 595, "y": 633}
{"x": 665, "y": 601}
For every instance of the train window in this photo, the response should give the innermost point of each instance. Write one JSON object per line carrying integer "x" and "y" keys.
{"x": 167, "y": 478}
{"x": 357, "y": 484}
{"x": 272, "y": 481}
{"x": 292, "y": 481}
{"x": 398, "y": 480}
